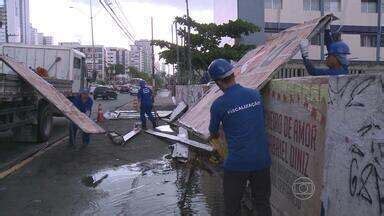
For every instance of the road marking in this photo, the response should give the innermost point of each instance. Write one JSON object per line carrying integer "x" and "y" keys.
{"x": 29, "y": 159}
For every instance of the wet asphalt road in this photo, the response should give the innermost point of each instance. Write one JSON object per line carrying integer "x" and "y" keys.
{"x": 10, "y": 150}
{"x": 106, "y": 179}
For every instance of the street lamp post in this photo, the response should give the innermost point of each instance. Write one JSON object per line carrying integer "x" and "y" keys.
{"x": 92, "y": 38}
{"x": 190, "y": 76}
{"x": 93, "y": 43}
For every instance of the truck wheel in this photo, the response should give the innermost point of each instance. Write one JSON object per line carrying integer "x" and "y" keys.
{"x": 45, "y": 122}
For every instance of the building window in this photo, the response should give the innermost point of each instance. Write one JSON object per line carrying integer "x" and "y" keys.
{"x": 369, "y": 40}
{"x": 329, "y": 5}
{"x": 316, "y": 40}
{"x": 76, "y": 63}
{"x": 311, "y": 5}
{"x": 332, "y": 5}
{"x": 273, "y": 4}
{"x": 369, "y": 6}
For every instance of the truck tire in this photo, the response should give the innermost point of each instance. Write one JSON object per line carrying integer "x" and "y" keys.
{"x": 45, "y": 122}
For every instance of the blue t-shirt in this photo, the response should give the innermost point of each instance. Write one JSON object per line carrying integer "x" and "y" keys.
{"x": 241, "y": 112}
{"x": 145, "y": 96}
{"x": 83, "y": 107}
{"x": 312, "y": 70}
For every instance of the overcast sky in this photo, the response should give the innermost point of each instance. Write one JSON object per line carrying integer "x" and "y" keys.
{"x": 56, "y": 18}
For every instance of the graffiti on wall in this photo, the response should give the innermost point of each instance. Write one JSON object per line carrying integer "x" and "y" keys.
{"x": 355, "y": 146}
{"x": 190, "y": 94}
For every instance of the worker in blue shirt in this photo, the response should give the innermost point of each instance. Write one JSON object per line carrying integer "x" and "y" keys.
{"x": 336, "y": 61}
{"x": 84, "y": 103}
{"x": 146, "y": 99}
{"x": 241, "y": 113}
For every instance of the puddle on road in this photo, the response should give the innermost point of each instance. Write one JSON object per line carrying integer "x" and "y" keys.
{"x": 154, "y": 187}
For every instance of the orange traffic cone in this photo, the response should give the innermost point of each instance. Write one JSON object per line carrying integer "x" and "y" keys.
{"x": 100, "y": 114}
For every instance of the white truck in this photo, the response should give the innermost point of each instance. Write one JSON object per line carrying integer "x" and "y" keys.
{"x": 22, "y": 109}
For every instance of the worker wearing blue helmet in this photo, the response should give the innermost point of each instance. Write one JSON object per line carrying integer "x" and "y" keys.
{"x": 241, "y": 113}
{"x": 337, "y": 61}
{"x": 146, "y": 99}
{"x": 84, "y": 103}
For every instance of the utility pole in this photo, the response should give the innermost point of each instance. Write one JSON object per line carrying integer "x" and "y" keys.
{"x": 322, "y": 32}
{"x": 173, "y": 66}
{"x": 190, "y": 75}
{"x": 153, "y": 57}
{"x": 94, "y": 74}
{"x": 379, "y": 31}
{"x": 6, "y": 21}
{"x": 177, "y": 52}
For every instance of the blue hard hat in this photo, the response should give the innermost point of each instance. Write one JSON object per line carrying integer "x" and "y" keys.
{"x": 142, "y": 83}
{"x": 84, "y": 91}
{"x": 340, "y": 50}
{"x": 219, "y": 69}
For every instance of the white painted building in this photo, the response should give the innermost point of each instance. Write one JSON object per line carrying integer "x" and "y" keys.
{"x": 358, "y": 18}
{"x": 141, "y": 56}
{"x": 15, "y": 21}
{"x": 100, "y": 54}
{"x": 48, "y": 40}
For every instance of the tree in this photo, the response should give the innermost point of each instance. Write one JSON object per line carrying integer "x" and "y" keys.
{"x": 117, "y": 68}
{"x": 135, "y": 73}
{"x": 205, "y": 45}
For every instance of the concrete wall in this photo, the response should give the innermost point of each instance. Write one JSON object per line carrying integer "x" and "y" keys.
{"x": 295, "y": 120}
{"x": 190, "y": 94}
{"x": 354, "y": 166}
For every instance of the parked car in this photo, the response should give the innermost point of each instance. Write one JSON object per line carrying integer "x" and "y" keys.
{"x": 104, "y": 93}
{"x": 134, "y": 89}
{"x": 124, "y": 89}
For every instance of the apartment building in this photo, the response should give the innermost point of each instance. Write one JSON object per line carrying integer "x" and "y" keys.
{"x": 358, "y": 22}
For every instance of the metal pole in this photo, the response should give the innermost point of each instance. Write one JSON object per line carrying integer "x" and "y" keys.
{"x": 153, "y": 57}
{"x": 322, "y": 32}
{"x": 379, "y": 31}
{"x": 6, "y": 21}
{"x": 173, "y": 66}
{"x": 190, "y": 75}
{"x": 94, "y": 74}
{"x": 177, "y": 52}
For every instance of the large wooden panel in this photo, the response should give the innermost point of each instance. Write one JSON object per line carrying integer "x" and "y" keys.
{"x": 54, "y": 97}
{"x": 255, "y": 69}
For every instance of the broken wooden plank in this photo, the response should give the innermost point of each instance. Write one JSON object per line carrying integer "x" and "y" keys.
{"x": 177, "y": 112}
{"x": 53, "y": 96}
{"x": 255, "y": 69}
{"x": 131, "y": 134}
{"x": 182, "y": 140}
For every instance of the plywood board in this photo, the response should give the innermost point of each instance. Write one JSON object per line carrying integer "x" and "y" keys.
{"x": 181, "y": 140}
{"x": 255, "y": 69}
{"x": 295, "y": 111}
{"x": 54, "y": 97}
{"x": 131, "y": 134}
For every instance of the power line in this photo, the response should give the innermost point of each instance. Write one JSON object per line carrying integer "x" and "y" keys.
{"x": 125, "y": 17}
{"x": 117, "y": 20}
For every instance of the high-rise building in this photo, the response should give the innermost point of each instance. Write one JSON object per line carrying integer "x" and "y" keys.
{"x": 15, "y": 26}
{"x": 33, "y": 32}
{"x": 48, "y": 40}
{"x": 40, "y": 38}
{"x": 99, "y": 57}
{"x": 141, "y": 56}
{"x": 118, "y": 56}
{"x": 358, "y": 18}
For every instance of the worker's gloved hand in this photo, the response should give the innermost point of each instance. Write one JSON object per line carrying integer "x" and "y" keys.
{"x": 304, "y": 48}
{"x": 328, "y": 26}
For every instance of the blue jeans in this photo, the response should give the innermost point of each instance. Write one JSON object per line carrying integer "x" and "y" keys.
{"x": 72, "y": 135}
{"x": 146, "y": 110}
